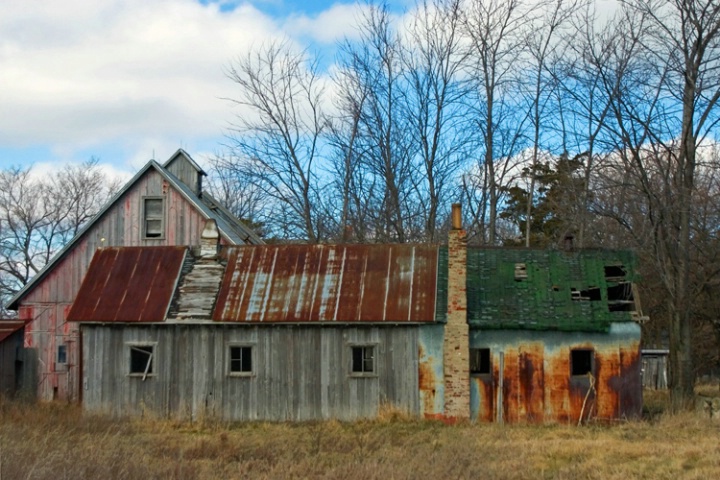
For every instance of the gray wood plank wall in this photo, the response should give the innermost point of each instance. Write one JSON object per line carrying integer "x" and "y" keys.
{"x": 300, "y": 372}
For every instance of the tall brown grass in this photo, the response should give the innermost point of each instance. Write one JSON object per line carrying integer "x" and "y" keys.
{"x": 55, "y": 441}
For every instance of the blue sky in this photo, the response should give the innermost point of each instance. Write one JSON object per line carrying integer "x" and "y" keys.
{"x": 129, "y": 80}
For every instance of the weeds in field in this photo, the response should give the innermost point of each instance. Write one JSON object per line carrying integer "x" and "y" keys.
{"x": 57, "y": 441}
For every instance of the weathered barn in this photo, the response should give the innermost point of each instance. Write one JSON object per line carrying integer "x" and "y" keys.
{"x": 160, "y": 205}
{"x": 296, "y": 332}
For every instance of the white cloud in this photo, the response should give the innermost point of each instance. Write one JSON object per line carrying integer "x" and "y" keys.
{"x": 329, "y": 26}
{"x": 83, "y": 73}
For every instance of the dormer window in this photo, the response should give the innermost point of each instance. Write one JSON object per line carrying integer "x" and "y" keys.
{"x": 154, "y": 217}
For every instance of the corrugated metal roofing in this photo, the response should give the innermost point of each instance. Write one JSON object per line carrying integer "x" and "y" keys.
{"x": 329, "y": 283}
{"x": 543, "y": 299}
{"x": 131, "y": 284}
{"x": 8, "y": 327}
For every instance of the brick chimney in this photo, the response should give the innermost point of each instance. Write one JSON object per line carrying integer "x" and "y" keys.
{"x": 456, "y": 347}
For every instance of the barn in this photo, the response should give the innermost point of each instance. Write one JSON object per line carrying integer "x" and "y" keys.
{"x": 302, "y": 332}
{"x": 161, "y": 205}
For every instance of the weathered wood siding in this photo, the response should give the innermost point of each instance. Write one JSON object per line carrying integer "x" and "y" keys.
{"x": 300, "y": 373}
{"x": 9, "y": 363}
{"x": 186, "y": 172}
{"x": 49, "y": 302}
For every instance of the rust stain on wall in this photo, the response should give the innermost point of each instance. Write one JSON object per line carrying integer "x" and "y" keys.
{"x": 538, "y": 385}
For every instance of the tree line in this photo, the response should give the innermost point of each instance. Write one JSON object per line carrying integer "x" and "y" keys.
{"x": 545, "y": 119}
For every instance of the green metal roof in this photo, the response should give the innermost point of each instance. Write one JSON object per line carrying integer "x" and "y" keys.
{"x": 545, "y": 299}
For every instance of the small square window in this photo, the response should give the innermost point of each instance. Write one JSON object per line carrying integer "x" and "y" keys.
{"x": 62, "y": 354}
{"x": 153, "y": 216}
{"x": 141, "y": 360}
{"x": 240, "y": 360}
{"x": 480, "y": 361}
{"x": 581, "y": 362}
{"x": 363, "y": 359}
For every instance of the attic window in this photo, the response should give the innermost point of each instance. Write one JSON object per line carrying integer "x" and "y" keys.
{"x": 480, "y": 361}
{"x": 153, "y": 217}
{"x": 520, "y": 272}
{"x": 581, "y": 361}
{"x": 620, "y": 297}
{"x": 141, "y": 360}
{"x": 590, "y": 294}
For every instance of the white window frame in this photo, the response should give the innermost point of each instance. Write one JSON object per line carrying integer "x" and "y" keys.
{"x": 145, "y": 218}
{"x": 151, "y": 365}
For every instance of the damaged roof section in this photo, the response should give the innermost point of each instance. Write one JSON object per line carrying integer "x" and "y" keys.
{"x": 329, "y": 283}
{"x": 584, "y": 290}
{"x": 128, "y": 284}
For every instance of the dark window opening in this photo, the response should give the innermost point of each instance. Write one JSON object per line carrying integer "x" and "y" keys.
{"x": 153, "y": 213}
{"x": 620, "y": 297}
{"x": 240, "y": 359}
{"x": 617, "y": 272}
{"x": 61, "y": 354}
{"x": 591, "y": 294}
{"x": 480, "y": 361}
{"x": 141, "y": 360}
{"x": 520, "y": 272}
{"x": 581, "y": 362}
{"x": 363, "y": 359}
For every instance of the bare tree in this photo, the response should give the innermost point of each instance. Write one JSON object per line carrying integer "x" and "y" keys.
{"x": 276, "y": 140}
{"x": 40, "y": 214}
{"x": 495, "y": 29}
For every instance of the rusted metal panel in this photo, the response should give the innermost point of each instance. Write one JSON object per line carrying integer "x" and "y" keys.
{"x": 128, "y": 284}
{"x": 538, "y": 384}
{"x": 326, "y": 283}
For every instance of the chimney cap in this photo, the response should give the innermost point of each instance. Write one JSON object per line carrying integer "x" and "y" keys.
{"x": 456, "y": 216}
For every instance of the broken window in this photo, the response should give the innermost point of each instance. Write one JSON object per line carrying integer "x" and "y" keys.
{"x": 614, "y": 273}
{"x": 581, "y": 361}
{"x": 620, "y": 297}
{"x": 153, "y": 217}
{"x": 240, "y": 360}
{"x": 363, "y": 359}
{"x": 480, "y": 361}
{"x": 61, "y": 354}
{"x": 520, "y": 272}
{"x": 141, "y": 360}
{"x": 590, "y": 294}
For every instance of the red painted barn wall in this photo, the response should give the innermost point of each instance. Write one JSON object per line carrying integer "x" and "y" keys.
{"x": 49, "y": 302}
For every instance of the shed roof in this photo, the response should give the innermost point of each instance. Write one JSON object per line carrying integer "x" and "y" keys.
{"x": 329, "y": 283}
{"x": 8, "y": 327}
{"x": 128, "y": 284}
{"x": 559, "y": 290}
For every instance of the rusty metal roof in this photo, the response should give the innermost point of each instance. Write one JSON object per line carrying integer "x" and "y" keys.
{"x": 128, "y": 284}
{"x": 329, "y": 283}
{"x": 8, "y": 327}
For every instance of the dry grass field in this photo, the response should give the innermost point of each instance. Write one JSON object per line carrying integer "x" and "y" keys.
{"x": 54, "y": 441}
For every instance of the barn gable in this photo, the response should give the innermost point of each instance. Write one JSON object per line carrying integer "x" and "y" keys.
{"x": 154, "y": 208}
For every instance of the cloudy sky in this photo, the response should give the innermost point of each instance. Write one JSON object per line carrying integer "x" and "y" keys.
{"x": 129, "y": 80}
